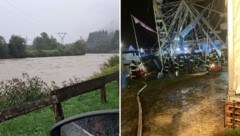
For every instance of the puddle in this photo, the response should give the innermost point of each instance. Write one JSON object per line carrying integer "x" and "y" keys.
{"x": 184, "y": 97}
{"x": 187, "y": 107}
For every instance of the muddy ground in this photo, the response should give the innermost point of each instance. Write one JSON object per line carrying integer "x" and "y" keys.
{"x": 184, "y": 106}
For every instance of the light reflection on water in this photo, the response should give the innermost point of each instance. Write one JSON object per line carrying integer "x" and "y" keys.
{"x": 182, "y": 97}
{"x": 57, "y": 69}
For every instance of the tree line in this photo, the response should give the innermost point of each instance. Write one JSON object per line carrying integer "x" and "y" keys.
{"x": 103, "y": 42}
{"x": 43, "y": 46}
{"x": 46, "y": 46}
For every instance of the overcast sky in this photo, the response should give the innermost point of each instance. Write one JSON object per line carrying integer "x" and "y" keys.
{"x": 76, "y": 17}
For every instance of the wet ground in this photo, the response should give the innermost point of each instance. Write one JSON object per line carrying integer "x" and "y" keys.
{"x": 185, "y": 106}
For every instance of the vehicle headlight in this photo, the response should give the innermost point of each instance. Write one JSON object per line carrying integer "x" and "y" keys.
{"x": 212, "y": 65}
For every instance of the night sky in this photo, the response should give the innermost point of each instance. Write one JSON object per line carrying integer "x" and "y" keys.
{"x": 143, "y": 11}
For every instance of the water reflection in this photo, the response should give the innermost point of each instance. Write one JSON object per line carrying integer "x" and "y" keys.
{"x": 183, "y": 97}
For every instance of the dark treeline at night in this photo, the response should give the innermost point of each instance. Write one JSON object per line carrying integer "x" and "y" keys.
{"x": 46, "y": 46}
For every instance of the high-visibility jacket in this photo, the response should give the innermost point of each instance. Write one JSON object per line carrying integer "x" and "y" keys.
{"x": 166, "y": 66}
{"x": 181, "y": 63}
{"x": 176, "y": 66}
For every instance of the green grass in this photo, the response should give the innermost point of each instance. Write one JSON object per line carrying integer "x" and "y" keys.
{"x": 228, "y": 132}
{"x": 232, "y": 132}
{"x": 109, "y": 67}
{"x": 38, "y": 123}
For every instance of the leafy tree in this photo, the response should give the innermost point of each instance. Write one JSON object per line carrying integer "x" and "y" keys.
{"x": 44, "y": 42}
{"x": 17, "y": 46}
{"x": 102, "y": 42}
{"x": 79, "y": 47}
{"x": 3, "y": 48}
{"x": 115, "y": 42}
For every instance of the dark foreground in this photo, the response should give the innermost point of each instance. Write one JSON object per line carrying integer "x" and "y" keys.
{"x": 184, "y": 106}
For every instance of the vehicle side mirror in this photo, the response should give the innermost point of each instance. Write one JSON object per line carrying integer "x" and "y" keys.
{"x": 97, "y": 123}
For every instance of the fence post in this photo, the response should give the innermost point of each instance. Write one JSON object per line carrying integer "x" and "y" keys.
{"x": 103, "y": 93}
{"x": 57, "y": 107}
{"x": 118, "y": 80}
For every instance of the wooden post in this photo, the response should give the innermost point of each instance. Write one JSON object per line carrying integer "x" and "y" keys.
{"x": 117, "y": 81}
{"x": 118, "y": 84}
{"x": 233, "y": 117}
{"x": 58, "y": 112}
{"x": 103, "y": 93}
{"x": 224, "y": 114}
{"x": 56, "y": 97}
{"x": 57, "y": 107}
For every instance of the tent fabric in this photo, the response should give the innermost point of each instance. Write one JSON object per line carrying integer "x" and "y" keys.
{"x": 123, "y": 81}
{"x": 131, "y": 48}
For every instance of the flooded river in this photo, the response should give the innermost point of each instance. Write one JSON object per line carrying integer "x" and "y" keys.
{"x": 56, "y": 69}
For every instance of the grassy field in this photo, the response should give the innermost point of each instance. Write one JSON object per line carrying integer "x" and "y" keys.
{"x": 38, "y": 123}
{"x": 232, "y": 132}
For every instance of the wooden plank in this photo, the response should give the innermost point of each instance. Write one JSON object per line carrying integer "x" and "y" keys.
{"x": 60, "y": 95}
{"x": 233, "y": 121}
{"x": 229, "y": 124}
{"x": 24, "y": 109}
{"x": 57, "y": 107}
{"x": 230, "y": 112}
{"x": 236, "y": 107}
{"x": 229, "y": 119}
{"x": 224, "y": 117}
{"x": 58, "y": 112}
{"x": 103, "y": 94}
{"x": 84, "y": 87}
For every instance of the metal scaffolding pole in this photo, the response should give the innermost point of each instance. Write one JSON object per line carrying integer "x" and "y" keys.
{"x": 135, "y": 35}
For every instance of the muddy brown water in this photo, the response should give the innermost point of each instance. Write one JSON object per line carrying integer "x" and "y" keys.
{"x": 57, "y": 69}
{"x": 187, "y": 106}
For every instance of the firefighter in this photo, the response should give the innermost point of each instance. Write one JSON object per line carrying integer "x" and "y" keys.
{"x": 133, "y": 69}
{"x": 215, "y": 57}
{"x": 166, "y": 66}
{"x": 191, "y": 64}
{"x": 181, "y": 64}
{"x": 208, "y": 62}
{"x": 222, "y": 58}
{"x": 176, "y": 67}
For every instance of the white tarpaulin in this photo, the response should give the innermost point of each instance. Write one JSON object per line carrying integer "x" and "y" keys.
{"x": 137, "y": 21}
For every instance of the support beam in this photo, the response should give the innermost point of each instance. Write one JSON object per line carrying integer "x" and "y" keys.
{"x": 199, "y": 24}
{"x": 208, "y": 25}
{"x": 205, "y": 7}
{"x": 230, "y": 48}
